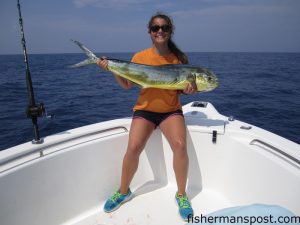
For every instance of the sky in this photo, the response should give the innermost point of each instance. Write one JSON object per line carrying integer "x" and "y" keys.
{"x": 121, "y": 25}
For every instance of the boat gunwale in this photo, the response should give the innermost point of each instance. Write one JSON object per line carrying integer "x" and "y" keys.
{"x": 23, "y": 154}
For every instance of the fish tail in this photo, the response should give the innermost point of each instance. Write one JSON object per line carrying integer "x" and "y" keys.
{"x": 82, "y": 63}
{"x": 92, "y": 58}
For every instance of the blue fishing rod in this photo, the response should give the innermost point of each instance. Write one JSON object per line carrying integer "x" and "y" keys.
{"x": 33, "y": 110}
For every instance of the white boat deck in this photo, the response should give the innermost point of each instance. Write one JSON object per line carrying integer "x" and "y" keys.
{"x": 67, "y": 179}
{"x": 155, "y": 208}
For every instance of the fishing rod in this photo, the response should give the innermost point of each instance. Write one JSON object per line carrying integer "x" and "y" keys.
{"x": 33, "y": 110}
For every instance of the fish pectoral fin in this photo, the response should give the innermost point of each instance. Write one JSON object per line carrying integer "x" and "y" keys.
{"x": 191, "y": 78}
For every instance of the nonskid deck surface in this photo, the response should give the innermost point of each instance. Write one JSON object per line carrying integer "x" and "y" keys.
{"x": 159, "y": 207}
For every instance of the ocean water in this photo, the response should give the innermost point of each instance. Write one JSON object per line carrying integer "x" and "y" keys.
{"x": 262, "y": 89}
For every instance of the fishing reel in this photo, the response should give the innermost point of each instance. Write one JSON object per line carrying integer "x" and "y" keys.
{"x": 38, "y": 110}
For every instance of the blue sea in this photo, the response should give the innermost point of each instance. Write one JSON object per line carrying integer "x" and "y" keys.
{"x": 262, "y": 89}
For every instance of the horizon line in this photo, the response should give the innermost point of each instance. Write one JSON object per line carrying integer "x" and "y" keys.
{"x": 132, "y": 52}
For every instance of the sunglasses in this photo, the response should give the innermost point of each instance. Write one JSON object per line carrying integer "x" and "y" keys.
{"x": 165, "y": 28}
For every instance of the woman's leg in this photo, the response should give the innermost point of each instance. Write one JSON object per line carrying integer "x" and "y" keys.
{"x": 174, "y": 130}
{"x": 140, "y": 132}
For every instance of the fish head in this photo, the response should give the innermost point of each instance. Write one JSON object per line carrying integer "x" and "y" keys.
{"x": 205, "y": 80}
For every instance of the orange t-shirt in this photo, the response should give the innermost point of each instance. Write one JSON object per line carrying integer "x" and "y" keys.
{"x": 154, "y": 99}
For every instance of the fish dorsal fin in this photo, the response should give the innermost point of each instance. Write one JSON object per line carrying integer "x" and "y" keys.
{"x": 168, "y": 65}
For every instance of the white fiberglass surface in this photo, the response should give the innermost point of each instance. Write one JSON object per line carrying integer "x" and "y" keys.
{"x": 153, "y": 208}
{"x": 71, "y": 185}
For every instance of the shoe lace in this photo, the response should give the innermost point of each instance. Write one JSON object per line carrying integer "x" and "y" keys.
{"x": 115, "y": 196}
{"x": 184, "y": 202}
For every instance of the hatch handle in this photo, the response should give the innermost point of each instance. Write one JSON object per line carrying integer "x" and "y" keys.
{"x": 214, "y": 136}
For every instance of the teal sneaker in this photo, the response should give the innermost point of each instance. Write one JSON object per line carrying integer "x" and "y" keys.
{"x": 115, "y": 201}
{"x": 185, "y": 208}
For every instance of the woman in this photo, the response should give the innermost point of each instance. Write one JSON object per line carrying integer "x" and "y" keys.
{"x": 156, "y": 107}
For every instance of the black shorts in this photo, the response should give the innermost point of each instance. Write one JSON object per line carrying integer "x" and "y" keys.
{"x": 154, "y": 117}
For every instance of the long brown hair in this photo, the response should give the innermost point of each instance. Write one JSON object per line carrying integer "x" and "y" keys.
{"x": 172, "y": 46}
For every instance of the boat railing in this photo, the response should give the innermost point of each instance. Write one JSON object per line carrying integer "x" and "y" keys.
{"x": 269, "y": 147}
{"x": 38, "y": 152}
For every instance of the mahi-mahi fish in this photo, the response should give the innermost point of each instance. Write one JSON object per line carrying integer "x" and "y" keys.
{"x": 170, "y": 76}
